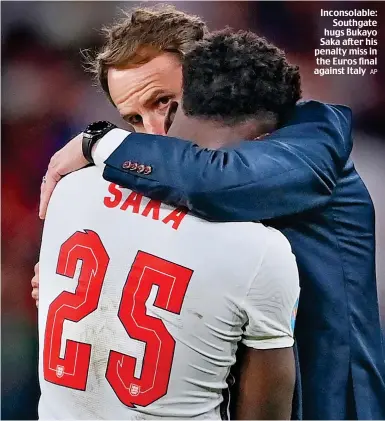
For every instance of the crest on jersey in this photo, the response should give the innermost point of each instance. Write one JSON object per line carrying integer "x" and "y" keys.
{"x": 294, "y": 315}
{"x": 134, "y": 389}
{"x": 59, "y": 371}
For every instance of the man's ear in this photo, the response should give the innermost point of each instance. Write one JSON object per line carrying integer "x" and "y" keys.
{"x": 170, "y": 116}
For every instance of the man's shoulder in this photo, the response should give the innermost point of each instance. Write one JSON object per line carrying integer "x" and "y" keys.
{"x": 254, "y": 237}
{"x": 83, "y": 175}
{"x": 311, "y": 110}
{"x": 278, "y": 266}
{"x": 77, "y": 187}
{"x": 313, "y": 104}
{"x": 80, "y": 181}
{"x": 276, "y": 242}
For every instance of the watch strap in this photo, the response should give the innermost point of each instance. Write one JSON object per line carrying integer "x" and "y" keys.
{"x": 87, "y": 144}
{"x": 90, "y": 137}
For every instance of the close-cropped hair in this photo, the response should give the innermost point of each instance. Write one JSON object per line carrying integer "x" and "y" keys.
{"x": 234, "y": 76}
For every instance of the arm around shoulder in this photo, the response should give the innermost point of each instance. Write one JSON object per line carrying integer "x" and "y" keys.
{"x": 292, "y": 170}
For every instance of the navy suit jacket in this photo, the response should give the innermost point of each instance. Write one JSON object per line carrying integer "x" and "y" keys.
{"x": 301, "y": 181}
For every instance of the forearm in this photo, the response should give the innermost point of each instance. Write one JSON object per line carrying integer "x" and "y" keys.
{"x": 265, "y": 391}
{"x": 280, "y": 176}
{"x": 267, "y": 409}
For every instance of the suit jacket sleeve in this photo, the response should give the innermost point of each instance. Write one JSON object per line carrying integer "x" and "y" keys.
{"x": 292, "y": 170}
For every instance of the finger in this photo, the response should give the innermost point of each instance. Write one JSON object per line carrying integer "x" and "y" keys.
{"x": 35, "y": 282}
{"x": 37, "y": 303}
{"x": 52, "y": 178}
{"x": 37, "y": 268}
{"x": 35, "y": 294}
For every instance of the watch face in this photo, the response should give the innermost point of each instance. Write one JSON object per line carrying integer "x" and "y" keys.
{"x": 98, "y": 126}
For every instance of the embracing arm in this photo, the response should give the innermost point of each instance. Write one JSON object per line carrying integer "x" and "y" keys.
{"x": 293, "y": 170}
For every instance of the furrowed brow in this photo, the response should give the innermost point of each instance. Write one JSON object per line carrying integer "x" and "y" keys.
{"x": 154, "y": 95}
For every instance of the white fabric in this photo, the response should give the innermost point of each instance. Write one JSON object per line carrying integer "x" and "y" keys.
{"x": 244, "y": 287}
{"x": 106, "y": 145}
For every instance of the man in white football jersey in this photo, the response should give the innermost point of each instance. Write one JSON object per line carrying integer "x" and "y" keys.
{"x": 142, "y": 306}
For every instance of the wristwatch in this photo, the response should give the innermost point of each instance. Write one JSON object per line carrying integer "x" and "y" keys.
{"x": 92, "y": 134}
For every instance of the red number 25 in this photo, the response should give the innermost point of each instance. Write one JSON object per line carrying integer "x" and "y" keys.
{"x": 71, "y": 370}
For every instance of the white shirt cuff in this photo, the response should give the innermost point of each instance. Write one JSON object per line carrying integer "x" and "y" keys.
{"x": 105, "y": 146}
{"x": 273, "y": 343}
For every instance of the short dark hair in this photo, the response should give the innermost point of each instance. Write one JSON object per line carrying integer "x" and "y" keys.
{"x": 236, "y": 76}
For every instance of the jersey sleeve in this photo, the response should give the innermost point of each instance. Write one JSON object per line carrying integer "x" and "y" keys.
{"x": 271, "y": 303}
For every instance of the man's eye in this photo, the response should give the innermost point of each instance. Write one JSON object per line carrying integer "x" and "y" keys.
{"x": 135, "y": 119}
{"x": 164, "y": 100}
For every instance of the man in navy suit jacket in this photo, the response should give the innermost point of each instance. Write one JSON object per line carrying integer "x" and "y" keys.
{"x": 300, "y": 180}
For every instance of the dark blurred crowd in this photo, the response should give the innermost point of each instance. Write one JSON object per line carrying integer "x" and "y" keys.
{"x": 47, "y": 98}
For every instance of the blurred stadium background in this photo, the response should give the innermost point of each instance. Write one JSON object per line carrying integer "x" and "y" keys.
{"x": 47, "y": 98}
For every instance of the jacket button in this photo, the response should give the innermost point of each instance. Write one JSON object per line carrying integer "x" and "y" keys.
{"x": 126, "y": 165}
{"x": 140, "y": 168}
{"x": 147, "y": 170}
{"x": 133, "y": 166}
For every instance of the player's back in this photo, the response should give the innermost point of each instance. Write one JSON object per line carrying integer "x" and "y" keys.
{"x": 142, "y": 306}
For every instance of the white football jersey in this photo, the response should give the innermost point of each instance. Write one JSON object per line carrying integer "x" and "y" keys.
{"x": 142, "y": 306}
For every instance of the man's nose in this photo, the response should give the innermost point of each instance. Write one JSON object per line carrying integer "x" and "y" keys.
{"x": 155, "y": 124}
